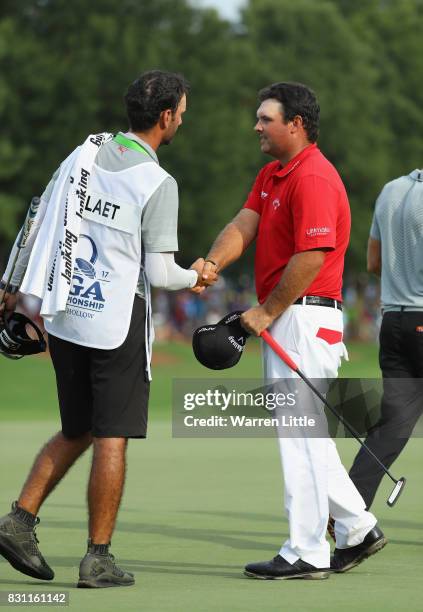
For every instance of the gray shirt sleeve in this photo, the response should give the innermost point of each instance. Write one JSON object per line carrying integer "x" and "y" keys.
{"x": 159, "y": 222}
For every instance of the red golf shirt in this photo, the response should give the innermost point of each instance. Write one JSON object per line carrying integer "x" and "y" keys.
{"x": 302, "y": 206}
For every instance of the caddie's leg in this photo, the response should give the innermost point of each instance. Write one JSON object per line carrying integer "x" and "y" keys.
{"x": 51, "y": 464}
{"x": 18, "y": 542}
{"x": 105, "y": 487}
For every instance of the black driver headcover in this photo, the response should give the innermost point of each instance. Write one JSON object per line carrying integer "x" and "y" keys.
{"x": 220, "y": 346}
{"x": 15, "y": 342}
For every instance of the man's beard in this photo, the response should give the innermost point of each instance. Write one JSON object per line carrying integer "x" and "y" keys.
{"x": 169, "y": 139}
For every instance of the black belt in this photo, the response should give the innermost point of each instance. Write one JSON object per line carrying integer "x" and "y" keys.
{"x": 315, "y": 300}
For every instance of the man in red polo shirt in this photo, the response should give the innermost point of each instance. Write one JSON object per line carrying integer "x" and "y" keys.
{"x": 298, "y": 212}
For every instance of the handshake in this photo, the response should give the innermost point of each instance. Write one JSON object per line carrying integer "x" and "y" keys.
{"x": 207, "y": 274}
{"x": 254, "y": 320}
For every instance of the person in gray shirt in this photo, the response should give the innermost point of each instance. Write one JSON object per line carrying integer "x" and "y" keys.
{"x": 103, "y": 387}
{"x": 394, "y": 253}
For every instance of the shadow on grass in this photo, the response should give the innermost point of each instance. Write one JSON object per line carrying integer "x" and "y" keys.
{"x": 215, "y": 536}
{"x": 405, "y": 542}
{"x": 240, "y": 516}
{"x": 251, "y": 516}
{"x": 245, "y": 516}
{"x": 146, "y": 566}
{"x": 164, "y": 567}
{"x": 401, "y": 524}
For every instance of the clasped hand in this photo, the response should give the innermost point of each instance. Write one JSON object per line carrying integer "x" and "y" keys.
{"x": 207, "y": 274}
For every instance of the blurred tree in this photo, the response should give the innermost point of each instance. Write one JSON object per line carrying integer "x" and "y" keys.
{"x": 393, "y": 32}
{"x": 64, "y": 76}
{"x": 312, "y": 42}
{"x": 64, "y": 67}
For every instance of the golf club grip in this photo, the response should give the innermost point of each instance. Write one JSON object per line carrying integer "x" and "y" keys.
{"x": 279, "y": 350}
{"x": 29, "y": 220}
{"x": 22, "y": 238}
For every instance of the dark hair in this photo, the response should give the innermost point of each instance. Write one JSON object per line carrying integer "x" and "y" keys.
{"x": 153, "y": 92}
{"x": 296, "y": 99}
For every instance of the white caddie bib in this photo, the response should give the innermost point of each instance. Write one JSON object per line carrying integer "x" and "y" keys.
{"x": 108, "y": 257}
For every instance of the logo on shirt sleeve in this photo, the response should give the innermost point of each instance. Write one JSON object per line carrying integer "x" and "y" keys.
{"x": 311, "y": 232}
{"x": 263, "y": 195}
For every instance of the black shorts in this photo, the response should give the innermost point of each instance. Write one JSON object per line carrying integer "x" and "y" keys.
{"x": 104, "y": 391}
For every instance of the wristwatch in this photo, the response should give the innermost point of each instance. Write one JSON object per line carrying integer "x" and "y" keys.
{"x": 211, "y": 261}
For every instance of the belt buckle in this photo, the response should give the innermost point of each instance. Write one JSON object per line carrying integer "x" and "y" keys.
{"x": 314, "y": 300}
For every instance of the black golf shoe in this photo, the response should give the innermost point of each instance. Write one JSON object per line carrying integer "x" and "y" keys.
{"x": 278, "y": 568}
{"x": 344, "y": 559}
{"x": 98, "y": 570}
{"x": 19, "y": 544}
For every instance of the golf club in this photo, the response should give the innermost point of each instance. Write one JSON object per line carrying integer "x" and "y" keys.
{"x": 23, "y": 238}
{"x": 400, "y": 482}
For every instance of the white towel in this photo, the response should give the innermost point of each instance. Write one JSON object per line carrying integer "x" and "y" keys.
{"x": 50, "y": 267}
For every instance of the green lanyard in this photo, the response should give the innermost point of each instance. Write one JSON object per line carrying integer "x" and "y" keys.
{"x": 130, "y": 144}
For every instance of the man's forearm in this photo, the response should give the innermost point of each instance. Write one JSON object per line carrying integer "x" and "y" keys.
{"x": 374, "y": 256}
{"x": 300, "y": 272}
{"x": 234, "y": 239}
{"x": 227, "y": 248}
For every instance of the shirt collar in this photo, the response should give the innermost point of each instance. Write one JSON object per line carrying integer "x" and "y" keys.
{"x": 296, "y": 161}
{"x": 144, "y": 144}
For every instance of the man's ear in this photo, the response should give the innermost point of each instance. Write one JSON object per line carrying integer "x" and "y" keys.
{"x": 165, "y": 118}
{"x": 297, "y": 122}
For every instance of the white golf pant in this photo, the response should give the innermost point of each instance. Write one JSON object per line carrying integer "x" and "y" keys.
{"x": 316, "y": 482}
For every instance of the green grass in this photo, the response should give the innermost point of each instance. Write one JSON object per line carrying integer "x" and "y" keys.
{"x": 196, "y": 510}
{"x": 29, "y": 388}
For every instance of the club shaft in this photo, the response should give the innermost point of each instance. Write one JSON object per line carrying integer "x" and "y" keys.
{"x": 345, "y": 423}
{"x": 293, "y": 366}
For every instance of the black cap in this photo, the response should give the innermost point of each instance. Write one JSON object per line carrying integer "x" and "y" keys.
{"x": 220, "y": 346}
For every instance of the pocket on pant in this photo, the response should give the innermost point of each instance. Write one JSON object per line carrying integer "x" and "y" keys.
{"x": 331, "y": 336}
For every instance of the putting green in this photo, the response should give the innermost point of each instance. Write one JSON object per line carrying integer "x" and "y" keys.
{"x": 194, "y": 512}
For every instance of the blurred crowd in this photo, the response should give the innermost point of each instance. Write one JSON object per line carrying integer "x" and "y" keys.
{"x": 177, "y": 313}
